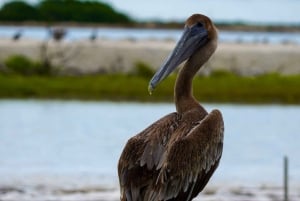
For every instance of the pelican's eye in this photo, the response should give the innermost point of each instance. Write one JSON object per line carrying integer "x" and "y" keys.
{"x": 199, "y": 24}
{"x": 197, "y": 28}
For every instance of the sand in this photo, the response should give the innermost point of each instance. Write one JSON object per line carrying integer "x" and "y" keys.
{"x": 210, "y": 193}
{"x": 105, "y": 55}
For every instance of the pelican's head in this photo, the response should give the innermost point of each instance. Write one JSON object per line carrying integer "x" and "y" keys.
{"x": 198, "y": 30}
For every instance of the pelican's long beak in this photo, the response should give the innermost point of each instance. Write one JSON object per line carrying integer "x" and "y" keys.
{"x": 192, "y": 38}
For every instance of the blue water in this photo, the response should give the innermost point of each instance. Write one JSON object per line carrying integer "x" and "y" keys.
{"x": 73, "y": 142}
{"x": 83, "y": 33}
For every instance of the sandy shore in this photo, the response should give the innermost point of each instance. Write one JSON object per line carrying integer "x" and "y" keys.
{"x": 111, "y": 56}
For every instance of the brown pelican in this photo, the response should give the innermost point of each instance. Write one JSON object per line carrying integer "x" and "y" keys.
{"x": 174, "y": 158}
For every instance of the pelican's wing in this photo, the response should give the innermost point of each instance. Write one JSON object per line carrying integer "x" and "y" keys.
{"x": 142, "y": 154}
{"x": 191, "y": 161}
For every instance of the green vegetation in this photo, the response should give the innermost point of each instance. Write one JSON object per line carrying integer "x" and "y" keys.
{"x": 18, "y": 11}
{"x": 19, "y": 64}
{"x": 24, "y": 78}
{"x": 61, "y": 11}
{"x": 143, "y": 70}
{"x": 227, "y": 88}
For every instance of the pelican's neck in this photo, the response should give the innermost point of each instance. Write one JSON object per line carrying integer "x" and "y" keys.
{"x": 184, "y": 98}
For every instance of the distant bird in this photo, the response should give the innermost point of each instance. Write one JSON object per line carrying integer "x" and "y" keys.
{"x": 93, "y": 35}
{"x": 58, "y": 33}
{"x": 17, "y": 35}
{"x": 174, "y": 158}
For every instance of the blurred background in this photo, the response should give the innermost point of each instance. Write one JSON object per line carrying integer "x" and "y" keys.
{"x": 73, "y": 89}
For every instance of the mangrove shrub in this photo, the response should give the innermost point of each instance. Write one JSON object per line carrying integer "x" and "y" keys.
{"x": 62, "y": 11}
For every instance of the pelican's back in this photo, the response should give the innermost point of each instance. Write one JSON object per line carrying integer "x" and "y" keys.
{"x": 173, "y": 159}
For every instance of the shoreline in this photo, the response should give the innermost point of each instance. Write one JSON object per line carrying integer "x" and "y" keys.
{"x": 212, "y": 192}
{"x": 104, "y": 55}
{"x": 223, "y": 26}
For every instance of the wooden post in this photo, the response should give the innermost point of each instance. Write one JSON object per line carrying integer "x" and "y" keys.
{"x": 286, "y": 182}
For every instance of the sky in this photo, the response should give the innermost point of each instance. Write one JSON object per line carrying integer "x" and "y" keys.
{"x": 256, "y": 11}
